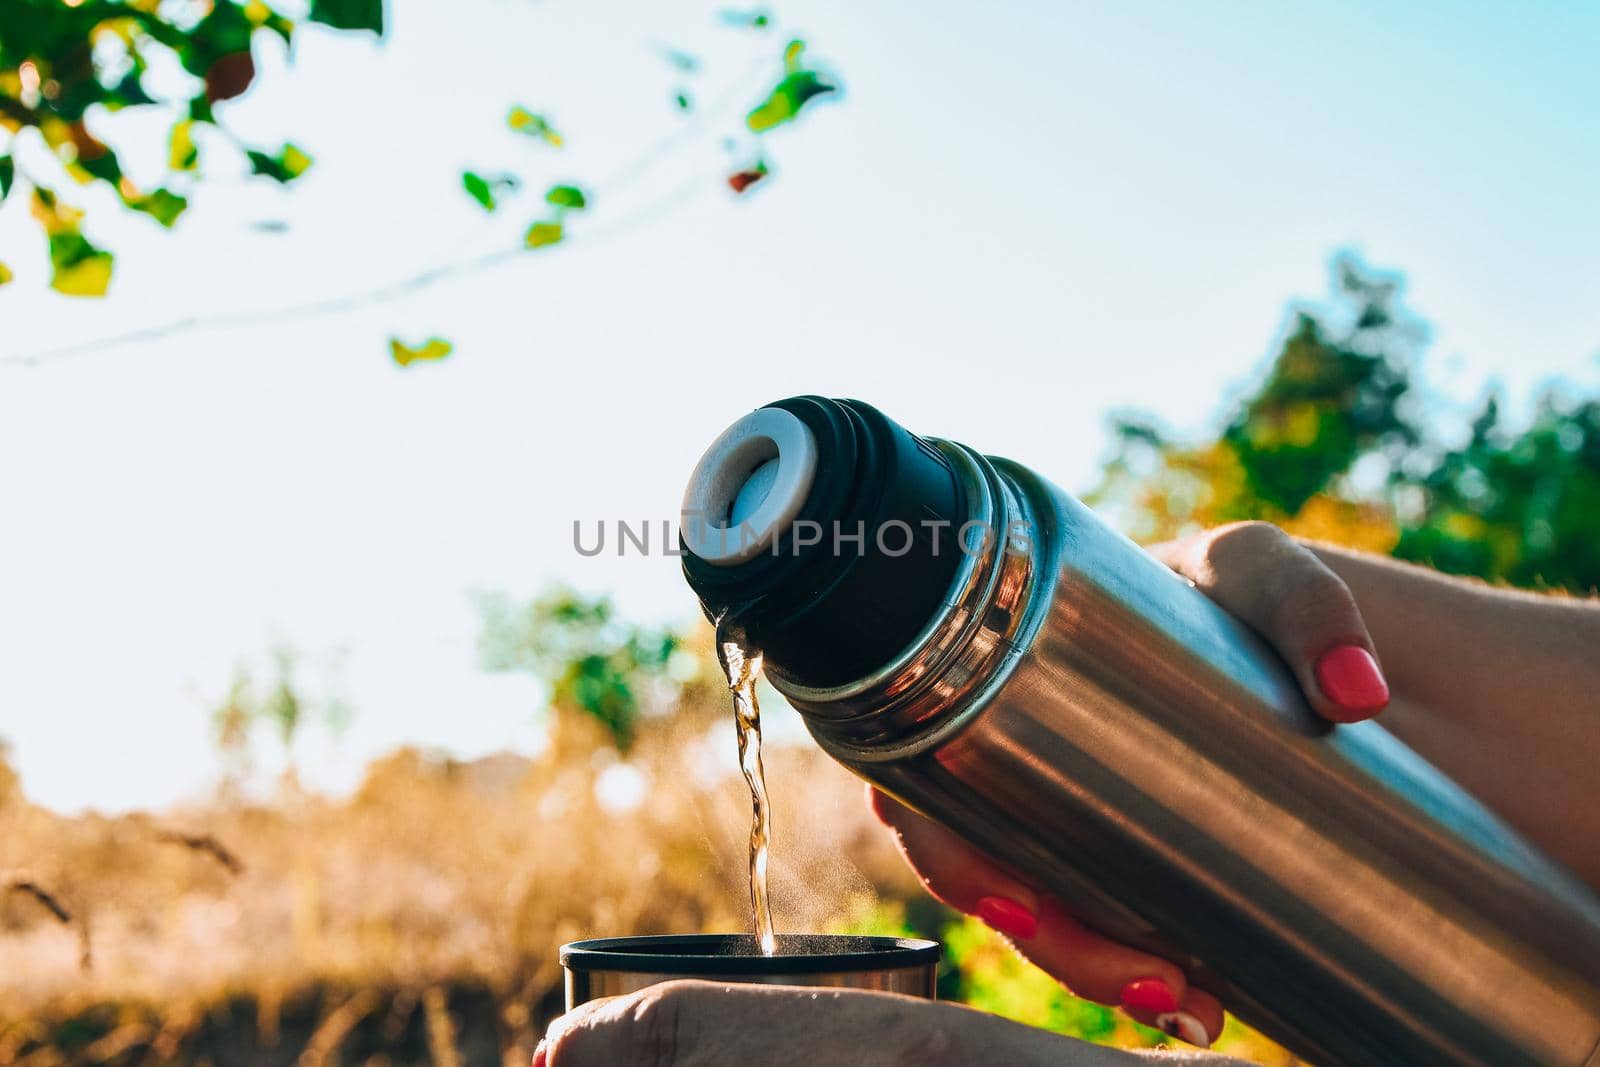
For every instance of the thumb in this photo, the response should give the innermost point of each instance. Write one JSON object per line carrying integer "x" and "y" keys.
{"x": 1280, "y": 589}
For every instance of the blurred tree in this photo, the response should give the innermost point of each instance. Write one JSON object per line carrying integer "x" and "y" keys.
{"x": 595, "y": 665}
{"x": 232, "y": 721}
{"x": 283, "y": 707}
{"x": 1333, "y": 444}
{"x": 1515, "y": 506}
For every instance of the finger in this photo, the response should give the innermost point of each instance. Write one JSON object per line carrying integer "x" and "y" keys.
{"x": 1088, "y": 963}
{"x": 1097, "y": 968}
{"x": 955, "y": 872}
{"x": 1197, "y": 1020}
{"x": 598, "y": 1031}
{"x": 1285, "y": 593}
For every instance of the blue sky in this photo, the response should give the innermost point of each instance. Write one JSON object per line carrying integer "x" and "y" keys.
{"x": 1019, "y": 218}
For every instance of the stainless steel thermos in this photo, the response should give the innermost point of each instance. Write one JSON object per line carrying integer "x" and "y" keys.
{"x": 978, "y": 644}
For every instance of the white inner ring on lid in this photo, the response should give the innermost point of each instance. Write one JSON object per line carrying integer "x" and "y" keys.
{"x": 748, "y": 487}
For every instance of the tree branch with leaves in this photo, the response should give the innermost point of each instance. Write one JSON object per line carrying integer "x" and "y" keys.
{"x": 1336, "y": 443}
{"x": 64, "y": 65}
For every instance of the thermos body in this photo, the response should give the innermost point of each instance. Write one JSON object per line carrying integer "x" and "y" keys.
{"x": 1081, "y": 713}
{"x": 1066, "y": 703}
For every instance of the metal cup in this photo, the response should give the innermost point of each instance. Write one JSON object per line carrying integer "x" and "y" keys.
{"x": 611, "y": 966}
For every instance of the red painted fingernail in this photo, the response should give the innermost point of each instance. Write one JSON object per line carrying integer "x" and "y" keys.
{"x": 1350, "y": 677}
{"x": 539, "y": 1054}
{"x": 1148, "y": 995}
{"x": 1008, "y": 917}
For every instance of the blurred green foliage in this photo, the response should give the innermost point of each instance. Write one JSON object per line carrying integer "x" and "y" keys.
{"x": 59, "y": 62}
{"x": 1521, "y": 506}
{"x": 594, "y": 663}
{"x": 981, "y": 969}
{"x": 281, "y": 704}
{"x": 800, "y": 85}
{"x": 1341, "y": 441}
{"x": 484, "y": 188}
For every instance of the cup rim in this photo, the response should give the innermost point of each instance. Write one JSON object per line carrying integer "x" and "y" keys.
{"x": 708, "y": 954}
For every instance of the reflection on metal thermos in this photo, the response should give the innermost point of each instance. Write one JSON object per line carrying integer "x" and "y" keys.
{"x": 975, "y": 642}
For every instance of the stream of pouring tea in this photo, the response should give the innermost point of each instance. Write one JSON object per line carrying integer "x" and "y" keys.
{"x": 742, "y": 665}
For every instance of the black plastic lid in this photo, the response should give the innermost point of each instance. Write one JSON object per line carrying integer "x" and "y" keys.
{"x": 839, "y": 609}
{"x": 737, "y": 954}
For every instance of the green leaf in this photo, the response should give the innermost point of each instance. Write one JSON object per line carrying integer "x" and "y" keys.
{"x": 478, "y": 189}
{"x": 566, "y": 196}
{"x": 8, "y": 174}
{"x": 484, "y": 189}
{"x": 181, "y": 152}
{"x": 282, "y": 27}
{"x": 683, "y": 101}
{"x": 785, "y": 101}
{"x": 349, "y": 14}
{"x": 526, "y": 122}
{"x": 78, "y": 268}
{"x": 225, "y": 29}
{"x": 162, "y": 205}
{"x": 294, "y": 160}
{"x": 284, "y": 167}
{"x": 430, "y": 351}
{"x": 102, "y": 164}
{"x": 541, "y": 234}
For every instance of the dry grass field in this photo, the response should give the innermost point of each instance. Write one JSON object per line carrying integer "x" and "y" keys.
{"x": 412, "y": 922}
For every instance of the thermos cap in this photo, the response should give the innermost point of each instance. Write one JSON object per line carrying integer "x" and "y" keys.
{"x": 749, "y": 487}
{"x": 824, "y": 533}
